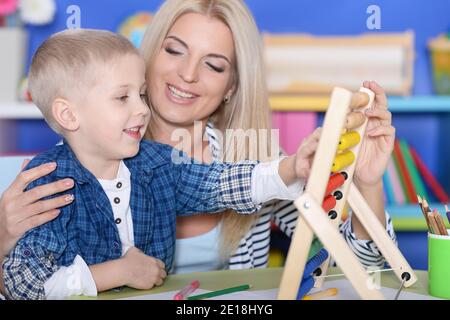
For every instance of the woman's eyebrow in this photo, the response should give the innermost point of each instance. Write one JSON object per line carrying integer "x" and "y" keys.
{"x": 212, "y": 55}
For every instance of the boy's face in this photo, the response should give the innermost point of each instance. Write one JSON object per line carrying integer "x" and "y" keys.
{"x": 113, "y": 115}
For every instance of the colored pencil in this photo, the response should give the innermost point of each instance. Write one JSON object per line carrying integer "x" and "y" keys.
{"x": 183, "y": 293}
{"x": 419, "y": 199}
{"x": 440, "y": 223}
{"x": 220, "y": 292}
{"x": 433, "y": 224}
{"x": 322, "y": 294}
{"x": 425, "y": 205}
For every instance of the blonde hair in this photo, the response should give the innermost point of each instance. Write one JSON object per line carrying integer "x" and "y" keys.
{"x": 249, "y": 106}
{"x": 62, "y": 65}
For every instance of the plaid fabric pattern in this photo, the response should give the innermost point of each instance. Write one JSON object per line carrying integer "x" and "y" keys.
{"x": 161, "y": 189}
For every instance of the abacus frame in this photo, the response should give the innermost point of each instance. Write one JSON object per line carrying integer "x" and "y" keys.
{"x": 313, "y": 219}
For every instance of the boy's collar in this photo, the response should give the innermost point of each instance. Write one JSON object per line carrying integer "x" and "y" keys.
{"x": 148, "y": 158}
{"x": 70, "y": 166}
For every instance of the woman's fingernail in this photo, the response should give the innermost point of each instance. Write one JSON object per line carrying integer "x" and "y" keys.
{"x": 69, "y": 198}
{"x": 51, "y": 165}
{"x": 68, "y": 182}
{"x": 57, "y": 211}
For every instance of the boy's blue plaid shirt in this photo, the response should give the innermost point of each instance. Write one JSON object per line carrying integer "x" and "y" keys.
{"x": 161, "y": 190}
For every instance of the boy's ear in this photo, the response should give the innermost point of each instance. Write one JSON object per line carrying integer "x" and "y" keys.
{"x": 65, "y": 114}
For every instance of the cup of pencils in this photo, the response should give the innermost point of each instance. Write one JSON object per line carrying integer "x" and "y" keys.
{"x": 438, "y": 251}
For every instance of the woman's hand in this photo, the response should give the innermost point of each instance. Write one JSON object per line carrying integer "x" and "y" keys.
{"x": 378, "y": 144}
{"x": 21, "y": 211}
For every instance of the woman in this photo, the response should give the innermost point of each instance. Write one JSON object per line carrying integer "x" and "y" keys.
{"x": 205, "y": 64}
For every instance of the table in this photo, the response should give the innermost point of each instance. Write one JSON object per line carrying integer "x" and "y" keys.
{"x": 261, "y": 279}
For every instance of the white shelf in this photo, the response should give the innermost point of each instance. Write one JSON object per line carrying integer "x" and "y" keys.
{"x": 420, "y": 104}
{"x": 26, "y": 110}
{"x": 19, "y": 110}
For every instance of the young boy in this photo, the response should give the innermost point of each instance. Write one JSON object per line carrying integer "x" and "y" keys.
{"x": 119, "y": 225}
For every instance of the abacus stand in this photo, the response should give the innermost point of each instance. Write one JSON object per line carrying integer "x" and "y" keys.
{"x": 313, "y": 219}
{"x": 316, "y": 218}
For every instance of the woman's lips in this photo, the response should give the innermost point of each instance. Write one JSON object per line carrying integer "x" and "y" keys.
{"x": 179, "y": 96}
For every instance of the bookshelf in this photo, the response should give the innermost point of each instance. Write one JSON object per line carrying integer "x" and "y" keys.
{"x": 396, "y": 104}
{"x": 19, "y": 111}
{"x": 281, "y": 103}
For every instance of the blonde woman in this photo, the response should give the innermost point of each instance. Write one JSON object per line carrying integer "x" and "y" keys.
{"x": 205, "y": 66}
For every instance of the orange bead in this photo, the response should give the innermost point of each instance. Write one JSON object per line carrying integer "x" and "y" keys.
{"x": 328, "y": 203}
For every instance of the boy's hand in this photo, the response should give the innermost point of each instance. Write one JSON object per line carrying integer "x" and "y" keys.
{"x": 305, "y": 154}
{"x": 298, "y": 166}
{"x": 142, "y": 271}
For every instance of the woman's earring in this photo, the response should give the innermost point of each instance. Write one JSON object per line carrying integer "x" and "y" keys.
{"x": 227, "y": 99}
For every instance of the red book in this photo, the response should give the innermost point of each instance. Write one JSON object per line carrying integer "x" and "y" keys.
{"x": 428, "y": 177}
{"x": 410, "y": 191}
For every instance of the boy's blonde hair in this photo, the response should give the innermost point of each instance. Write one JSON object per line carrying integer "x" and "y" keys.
{"x": 249, "y": 105}
{"x": 62, "y": 65}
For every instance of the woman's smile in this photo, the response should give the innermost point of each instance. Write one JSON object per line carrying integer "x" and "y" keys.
{"x": 179, "y": 96}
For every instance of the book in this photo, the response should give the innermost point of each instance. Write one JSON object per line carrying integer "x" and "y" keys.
{"x": 412, "y": 169}
{"x": 388, "y": 190}
{"x": 410, "y": 192}
{"x": 397, "y": 188}
{"x": 430, "y": 180}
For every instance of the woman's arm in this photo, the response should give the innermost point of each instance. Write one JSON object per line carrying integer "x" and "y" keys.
{"x": 374, "y": 155}
{"x": 21, "y": 211}
{"x": 374, "y": 198}
{"x": 2, "y": 286}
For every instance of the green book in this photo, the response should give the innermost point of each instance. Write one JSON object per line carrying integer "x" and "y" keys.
{"x": 412, "y": 169}
{"x": 400, "y": 176}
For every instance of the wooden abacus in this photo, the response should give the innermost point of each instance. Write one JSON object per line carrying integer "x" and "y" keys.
{"x": 323, "y": 201}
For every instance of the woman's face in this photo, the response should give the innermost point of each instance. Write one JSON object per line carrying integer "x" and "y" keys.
{"x": 193, "y": 71}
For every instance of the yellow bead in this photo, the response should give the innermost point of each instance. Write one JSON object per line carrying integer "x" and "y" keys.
{"x": 348, "y": 140}
{"x": 342, "y": 160}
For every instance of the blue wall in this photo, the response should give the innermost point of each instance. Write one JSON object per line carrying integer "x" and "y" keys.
{"x": 320, "y": 17}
